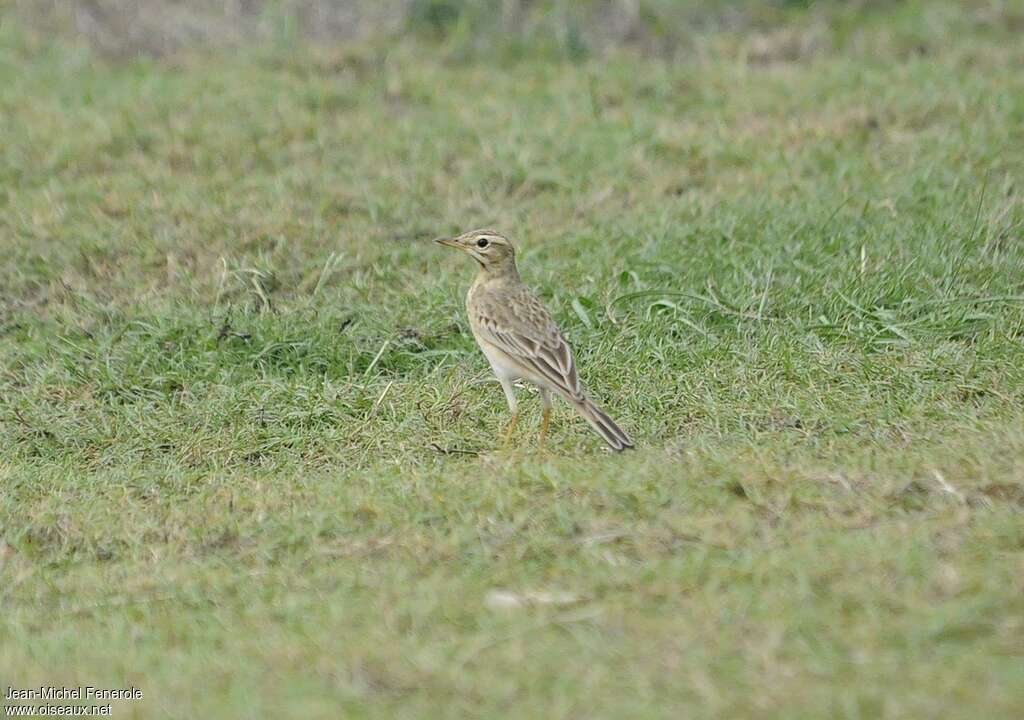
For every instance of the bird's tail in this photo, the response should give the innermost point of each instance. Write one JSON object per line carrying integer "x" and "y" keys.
{"x": 611, "y": 433}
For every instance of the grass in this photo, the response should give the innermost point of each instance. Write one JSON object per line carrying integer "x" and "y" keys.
{"x": 248, "y": 461}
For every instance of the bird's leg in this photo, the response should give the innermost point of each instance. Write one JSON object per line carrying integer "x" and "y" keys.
{"x": 509, "y": 430}
{"x": 545, "y": 421}
{"x": 513, "y": 406}
{"x": 545, "y": 399}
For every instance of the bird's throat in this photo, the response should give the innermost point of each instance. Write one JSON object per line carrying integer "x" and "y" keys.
{"x": 503, "y": 269}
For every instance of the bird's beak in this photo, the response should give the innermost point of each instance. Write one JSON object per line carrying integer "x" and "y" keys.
{"x": 450, "y": 242}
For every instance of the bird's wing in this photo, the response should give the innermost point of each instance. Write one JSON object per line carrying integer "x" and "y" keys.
{"x": 519, "y": 325}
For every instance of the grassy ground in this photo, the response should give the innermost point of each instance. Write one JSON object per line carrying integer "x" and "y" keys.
{"x": 248, "y": 455}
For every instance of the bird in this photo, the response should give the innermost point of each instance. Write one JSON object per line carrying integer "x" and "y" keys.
{"x": 521, "y": 340}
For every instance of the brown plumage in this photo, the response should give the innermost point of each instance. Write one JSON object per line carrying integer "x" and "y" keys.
{"x": 520, "y": 338}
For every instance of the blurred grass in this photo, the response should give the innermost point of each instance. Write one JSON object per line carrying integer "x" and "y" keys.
{"x": 497, "y": 30}
{"x": 248, "y": 457}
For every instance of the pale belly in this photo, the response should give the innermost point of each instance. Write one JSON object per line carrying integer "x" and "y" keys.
{"x": 502, "y": 365}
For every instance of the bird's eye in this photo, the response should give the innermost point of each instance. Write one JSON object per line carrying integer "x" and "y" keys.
{"x": 482, "y": 243}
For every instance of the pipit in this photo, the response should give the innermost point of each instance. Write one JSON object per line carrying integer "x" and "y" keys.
{"x": 521, "y": 340}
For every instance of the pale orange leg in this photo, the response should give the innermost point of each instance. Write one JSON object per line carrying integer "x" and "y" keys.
{"x": 513, "y": 406}
{"x": 544, "y": 428}
{"x": 510, "y": 429}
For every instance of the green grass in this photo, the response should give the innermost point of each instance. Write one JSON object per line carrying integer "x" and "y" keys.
{"x": 248, "y": 455}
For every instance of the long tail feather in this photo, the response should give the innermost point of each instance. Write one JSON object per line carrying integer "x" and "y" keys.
{"x": 611, "y": 433}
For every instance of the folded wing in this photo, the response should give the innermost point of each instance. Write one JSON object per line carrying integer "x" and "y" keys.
{"x": 524, "y": 330}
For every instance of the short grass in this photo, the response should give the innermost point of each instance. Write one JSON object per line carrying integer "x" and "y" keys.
{"x": 248, "y": 459}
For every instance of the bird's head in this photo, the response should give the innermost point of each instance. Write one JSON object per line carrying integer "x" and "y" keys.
{"x": 488, "y": 247}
